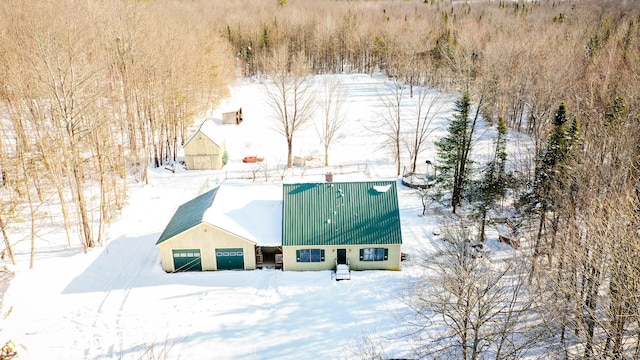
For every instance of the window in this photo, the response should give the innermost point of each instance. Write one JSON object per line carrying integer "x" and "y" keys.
{"x": 229, "y": 253}
{"x": 310, "y": 255}
{"x": 374, "y": 254}
{"x": 186, "y": 253}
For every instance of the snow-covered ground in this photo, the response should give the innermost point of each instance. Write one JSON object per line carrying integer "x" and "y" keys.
{"x": 116, "y": 302}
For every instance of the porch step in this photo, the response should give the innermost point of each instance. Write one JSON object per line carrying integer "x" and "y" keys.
{"x": 343, "y": 272}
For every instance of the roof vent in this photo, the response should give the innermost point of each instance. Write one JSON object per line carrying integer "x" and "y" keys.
{"x": 382, "y": 188}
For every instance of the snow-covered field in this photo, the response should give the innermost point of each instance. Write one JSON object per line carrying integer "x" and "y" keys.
{"x": 116, "y": 302}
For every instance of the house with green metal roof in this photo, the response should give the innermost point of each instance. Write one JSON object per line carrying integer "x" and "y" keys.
{"x": 339, "y": 226}
{"x": 328, "y": 224}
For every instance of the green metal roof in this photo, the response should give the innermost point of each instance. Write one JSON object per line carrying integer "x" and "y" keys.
{"x": 188, "y": 215}
{"x": 341, "y": 213}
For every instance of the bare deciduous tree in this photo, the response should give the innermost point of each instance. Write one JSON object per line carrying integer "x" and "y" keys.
{"x": 82, "y": 115}
{"x": 290, "y": 95}
{"x": 589, "y": 287}
{"x": 332, "y": 107}
{"x": 390, "y": 123}
{"x": 471, "y": 304}
{"x": 428, "y": 105}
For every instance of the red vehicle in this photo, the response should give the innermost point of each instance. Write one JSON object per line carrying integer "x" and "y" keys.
{"x": 252, "y": 159}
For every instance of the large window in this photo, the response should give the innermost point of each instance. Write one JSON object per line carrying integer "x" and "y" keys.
{"x": 374, "y": 254}
{"x": 310, "y": 255}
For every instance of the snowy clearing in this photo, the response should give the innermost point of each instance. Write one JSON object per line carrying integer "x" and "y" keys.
{"x": 116, "y": 302}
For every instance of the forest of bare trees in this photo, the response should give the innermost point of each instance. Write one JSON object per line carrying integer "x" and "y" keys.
{"x": 89, "y": 102}
{"x": 92, "y": 93}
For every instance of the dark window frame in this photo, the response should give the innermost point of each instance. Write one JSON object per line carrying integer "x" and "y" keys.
{"x": 310, "y": 255}
{"x": 374, "y": 254}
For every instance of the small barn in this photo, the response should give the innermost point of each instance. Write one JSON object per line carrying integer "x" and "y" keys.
{"x": 205, "y": 149}
{"x": 232, "y": 117}
{"x": 341, "y": 223}
{"x": 220, "y": 230}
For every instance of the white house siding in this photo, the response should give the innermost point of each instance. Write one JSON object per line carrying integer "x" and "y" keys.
{"x": 353, "y": 255}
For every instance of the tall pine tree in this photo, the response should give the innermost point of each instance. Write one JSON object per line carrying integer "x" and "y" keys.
{"x": 454, "y": 164}
{"x": 551, "y": 169}
{"x": 492, "y": 185}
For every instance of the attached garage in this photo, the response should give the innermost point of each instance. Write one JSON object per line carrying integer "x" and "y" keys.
{"x": 187, "y": 260}
{"x": 190, "y": 242}
{"x": 230, "y": 259}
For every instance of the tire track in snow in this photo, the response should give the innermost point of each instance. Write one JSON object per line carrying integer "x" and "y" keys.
{"x": 117, "y": 293}
{"x": 131, "y": 272}
{"x": 127, "y": 291}
{"x": 108, "y": 315}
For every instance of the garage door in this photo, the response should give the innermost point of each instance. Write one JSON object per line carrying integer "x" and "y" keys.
{"x": 230, "y": 259}
{"x": 187, "y": 260}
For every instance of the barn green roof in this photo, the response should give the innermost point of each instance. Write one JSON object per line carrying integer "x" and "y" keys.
{"x": 341, "y": 213}
{"x": 188, "y": 215}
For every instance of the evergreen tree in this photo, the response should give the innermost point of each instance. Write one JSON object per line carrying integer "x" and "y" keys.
{"x": 616, "y": 111}
{"x": 454, "y": 165}
{"x": 551, "y": 169}
{"x": 492, "y": 185}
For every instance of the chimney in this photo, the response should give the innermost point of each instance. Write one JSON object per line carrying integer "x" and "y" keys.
{"x": 328, "y": 177}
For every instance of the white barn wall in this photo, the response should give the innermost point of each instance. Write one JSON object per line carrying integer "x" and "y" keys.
{"x": 207, "y": 238}
{"x": 201, "y": 153}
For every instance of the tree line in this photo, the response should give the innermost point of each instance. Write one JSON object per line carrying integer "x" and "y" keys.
{"x": 576, "y": 205}
{"x": 91, "y": 95}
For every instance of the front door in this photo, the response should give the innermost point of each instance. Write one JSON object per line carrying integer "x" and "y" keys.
{"x": 342, "y": 256}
